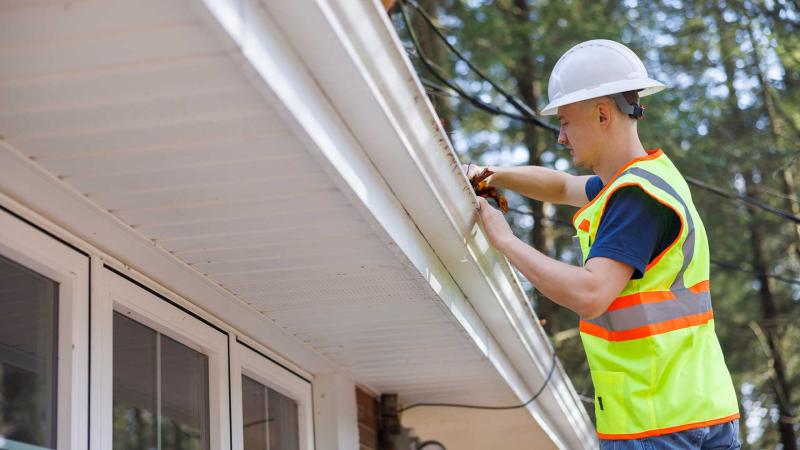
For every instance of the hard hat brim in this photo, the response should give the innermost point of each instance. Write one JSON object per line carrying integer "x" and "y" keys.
{"x": 645, "y": 87}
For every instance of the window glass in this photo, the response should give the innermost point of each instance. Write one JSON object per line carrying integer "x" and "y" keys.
{"x": 28, "y": 357}
{"x": 270, "y": 418}
{"x": 160, "y": 391}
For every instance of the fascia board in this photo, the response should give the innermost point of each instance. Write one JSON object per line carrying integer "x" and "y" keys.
{"x": 423, "y": 171}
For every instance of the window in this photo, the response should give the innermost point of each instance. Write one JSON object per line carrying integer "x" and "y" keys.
{"x": 270, "y": 418}
{"x": 165, "y": 384}
{"x": 44, "y": 299}
{"x": 28, "y": 357}
{"x": 274, "y": 409}
{"x": 160, "y": 391}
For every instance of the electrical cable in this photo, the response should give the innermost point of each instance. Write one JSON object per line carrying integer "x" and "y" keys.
{"x": 527, "y": 111}
{"x": 722, "y": 264}
{"x": 424, "y": 444}
{"x": 430, "y": 66}
{"x": 743, "y": 198}
{"x": 458, "y": 405}
{"x": 518, "y": 104}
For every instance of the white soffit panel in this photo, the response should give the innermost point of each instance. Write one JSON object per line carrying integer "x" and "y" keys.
{"x": 150, "y": 113}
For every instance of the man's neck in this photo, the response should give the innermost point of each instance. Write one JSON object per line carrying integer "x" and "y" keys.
{"x": 617, "y": 155}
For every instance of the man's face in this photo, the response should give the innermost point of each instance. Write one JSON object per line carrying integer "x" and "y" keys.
{"x": 579, "y": 132}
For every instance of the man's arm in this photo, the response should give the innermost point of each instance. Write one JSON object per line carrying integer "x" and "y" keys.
{"x": 587, "y": 290}
{"x": 539, "y": 183}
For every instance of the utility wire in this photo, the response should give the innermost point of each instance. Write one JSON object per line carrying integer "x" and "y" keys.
{"x": 722, "y": 264}
{"x": 526, "y": 113}
{"x": 458, "y": 405}
{"x": 480, "y": 104}
{"x": 743, "y": 198}
{"x": 518, "y": 104}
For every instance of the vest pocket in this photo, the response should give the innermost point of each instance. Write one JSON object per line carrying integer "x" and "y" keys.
{"x": 609, "y": 401}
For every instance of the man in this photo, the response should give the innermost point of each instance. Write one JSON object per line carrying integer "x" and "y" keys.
{"x": 643, "y": 291}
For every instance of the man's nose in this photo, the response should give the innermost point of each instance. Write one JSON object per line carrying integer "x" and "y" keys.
{"x": 562, "y": 137}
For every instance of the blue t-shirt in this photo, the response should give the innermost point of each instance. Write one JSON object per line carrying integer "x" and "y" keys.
{"x": 635, "y": 227}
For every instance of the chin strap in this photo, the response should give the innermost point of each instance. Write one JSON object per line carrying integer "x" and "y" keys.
{"x": 633, "y": 110}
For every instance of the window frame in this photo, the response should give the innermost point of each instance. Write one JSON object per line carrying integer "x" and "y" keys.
{"x": 135, "y": 301}
{"x": 248, "y": 360}
{"x": 40, "y": 252}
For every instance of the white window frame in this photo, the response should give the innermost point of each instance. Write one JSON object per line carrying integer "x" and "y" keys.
{"x": 254, "y": 364}
{"x": 119, "y": 294}
{"x": 41, "y": 253}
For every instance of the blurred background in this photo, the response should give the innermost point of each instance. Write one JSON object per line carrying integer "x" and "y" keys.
{"x": 730, "y": 120}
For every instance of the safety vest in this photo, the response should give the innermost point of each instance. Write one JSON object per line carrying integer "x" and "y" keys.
{"x": 655, "y": 361}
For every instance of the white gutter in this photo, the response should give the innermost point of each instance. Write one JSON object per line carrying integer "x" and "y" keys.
{"x": 339, "y": 70}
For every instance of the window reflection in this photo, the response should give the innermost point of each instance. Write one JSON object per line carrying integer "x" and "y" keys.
{"x": 28, "y": 356}
{"x": 270, "y": 418}
{"x": 160, "y": 391}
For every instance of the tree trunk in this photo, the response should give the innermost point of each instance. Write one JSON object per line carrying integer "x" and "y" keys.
{"x": 766, "y": 296}
{"x": 525, "y": 76}
{"x": 780, "y": 385}
{"x": 777, "y": 130}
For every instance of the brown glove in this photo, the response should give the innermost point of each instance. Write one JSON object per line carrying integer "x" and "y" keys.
{"x": 482, "y": 189}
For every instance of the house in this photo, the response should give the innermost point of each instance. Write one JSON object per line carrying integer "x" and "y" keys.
{"x": 239, "y": 221}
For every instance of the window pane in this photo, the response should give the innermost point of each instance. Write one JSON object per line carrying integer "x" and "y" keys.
{"x": 160, "y": 391}
{"x": 270, "y": 418}
{"x": 135, "y": 393}
{"x": 28, "y": 355}
{"x": 254, "y": 412}
{"x": 184, "y": 397}
{"x": 283, "y": 432}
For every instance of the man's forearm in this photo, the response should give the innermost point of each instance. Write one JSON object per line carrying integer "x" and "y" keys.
{"x": 575, "y": 288}
{"x": 535, "y": 182}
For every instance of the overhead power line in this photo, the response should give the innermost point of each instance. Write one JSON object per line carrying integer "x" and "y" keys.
{"x": 722, "y": 264}
{"x": 745, "y": 199}
{"x": 525, "y": 112}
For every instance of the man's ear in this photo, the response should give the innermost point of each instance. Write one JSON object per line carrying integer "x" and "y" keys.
{"x": 604, "y": 114}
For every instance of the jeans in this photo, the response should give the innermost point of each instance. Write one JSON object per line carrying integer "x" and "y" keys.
{"x": 724, "y": 436}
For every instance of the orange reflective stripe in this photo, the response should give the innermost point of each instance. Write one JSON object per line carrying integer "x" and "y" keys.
{"x": 660, "y": 431}
{"x": 640, "y": 298}
{"x": 701, "y": 287}
{"x": 646, "y": 330}
{"x": 584, "y": 225}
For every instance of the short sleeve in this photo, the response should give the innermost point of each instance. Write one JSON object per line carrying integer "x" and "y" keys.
{"x": 593, "y": 187}
{"x": 634, "y": 228}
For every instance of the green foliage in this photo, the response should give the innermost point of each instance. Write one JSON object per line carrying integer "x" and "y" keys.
{"x": 731, "y": 119}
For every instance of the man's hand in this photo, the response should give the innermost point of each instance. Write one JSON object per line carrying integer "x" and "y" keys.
{"x": 494, "y": 223}
{"x": 472, "y": 170}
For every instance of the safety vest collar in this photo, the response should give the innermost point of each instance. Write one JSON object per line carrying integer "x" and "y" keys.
{"x": 651, "y": 154}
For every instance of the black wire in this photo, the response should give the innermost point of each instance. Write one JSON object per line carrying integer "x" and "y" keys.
{"x": 529, "y": 118}
{"x": 722, "y": 264}
{"x": 429, "y": 65}
{"x": 518, "y": 104}
{"x": 430, "y": 442}
{"x": 458, "y": 405}
{"x": 743, "y": 198}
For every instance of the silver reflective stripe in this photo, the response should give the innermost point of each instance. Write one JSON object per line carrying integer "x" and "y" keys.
{"x": 576, "y": 245}
{"x": 688, "y": 244}
{"x": 685, "y": 303}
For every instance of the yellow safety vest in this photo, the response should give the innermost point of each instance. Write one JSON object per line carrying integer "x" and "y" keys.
{"x": 655, "y": 360}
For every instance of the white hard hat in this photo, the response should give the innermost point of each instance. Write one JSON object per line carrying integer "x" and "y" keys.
{"x": 596, "y": 68}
